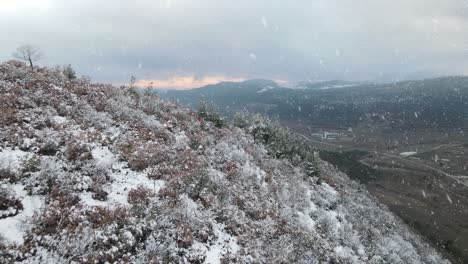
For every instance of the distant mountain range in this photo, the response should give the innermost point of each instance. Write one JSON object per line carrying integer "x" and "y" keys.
{"x": 431, "y": 103}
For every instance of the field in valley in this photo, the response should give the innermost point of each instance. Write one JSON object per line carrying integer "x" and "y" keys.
{"x": 428, "y": 189}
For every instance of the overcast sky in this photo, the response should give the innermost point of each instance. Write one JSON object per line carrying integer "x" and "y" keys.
{"x": 189, "y": 43}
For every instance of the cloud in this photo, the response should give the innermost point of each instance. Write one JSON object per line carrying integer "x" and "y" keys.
{"x": 17, "y": 6}
{"x": 291, "y": 40}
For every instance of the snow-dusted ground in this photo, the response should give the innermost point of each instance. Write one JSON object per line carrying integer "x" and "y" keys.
{"x": 123, "y": 180}
{"x": 221, "y": 195}
{"x": 267, "y": 88}
{"x": 13, "y": 159}
{"x": 224, "y": 244}
{"x": 14, "y": 228}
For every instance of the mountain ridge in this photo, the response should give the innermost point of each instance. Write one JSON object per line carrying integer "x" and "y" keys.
{"x": 108, "y": 174}
{"x": 432, "y": 102}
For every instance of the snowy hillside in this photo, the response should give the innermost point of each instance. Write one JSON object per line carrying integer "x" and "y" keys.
{"x": 94, "y": 174}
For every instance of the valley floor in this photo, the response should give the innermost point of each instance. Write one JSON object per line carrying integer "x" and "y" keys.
{"x": 427, "y": 189}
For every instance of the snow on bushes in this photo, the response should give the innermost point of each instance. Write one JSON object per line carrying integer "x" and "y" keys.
{"x": 98, "y": 174}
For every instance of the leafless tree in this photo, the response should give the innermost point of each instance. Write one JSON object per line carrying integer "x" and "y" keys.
{"x": 29, "y": 54}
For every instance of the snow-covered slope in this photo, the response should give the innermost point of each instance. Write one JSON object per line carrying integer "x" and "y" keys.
{"x": 94, "y": 174}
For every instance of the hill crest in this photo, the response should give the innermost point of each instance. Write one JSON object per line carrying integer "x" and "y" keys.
{"x": 112, "y": 175}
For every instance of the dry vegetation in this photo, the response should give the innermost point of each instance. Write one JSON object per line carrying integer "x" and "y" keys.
{"x": 123, "y": 177}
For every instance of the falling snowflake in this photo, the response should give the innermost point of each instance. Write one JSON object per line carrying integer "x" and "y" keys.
{"x": 264, "y": 22}
{"x": 448, "y": 198}
{"x": 253, "y": 56}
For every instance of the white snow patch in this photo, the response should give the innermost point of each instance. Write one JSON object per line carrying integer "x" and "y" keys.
{"x": 181, "y": 141}
{"x": 252, "y": 169}
{"x": 312, "y": 205}
{"x": 306, "y": 221}
{"x": 104, "y": 157}
{"x": 14, "y": 228}
{"x": 59, "y": 120}
{"x": 327, "y": 188}
{"x": 28, "y": 142}
{"x": 337, "y": 86}
{"x": 408, "y": 154}
{"x": 267, "y": 88}
{"x": 87, "y": 198}
{"x": 123, "y": 180}
{"x": 113, "y": 132}
{"x": 345, "y": 253}
{"x": 13, "y": 158}
{"x": 57, "y": 87}
{"x": 223, "y": 244}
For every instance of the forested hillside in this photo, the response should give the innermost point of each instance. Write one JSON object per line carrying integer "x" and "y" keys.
{"x": 433, "y": 103}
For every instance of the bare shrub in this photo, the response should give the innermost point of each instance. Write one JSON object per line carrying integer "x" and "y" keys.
{"x": 140, "y": 196}
{"x": 141, "y": 155}
{"x": 9, "y": 206}
{"x": 102, "y": 216}
{"x": 78, "y": 151}
{"x": 50, "y": 148}
{"x": 8, "y": 175}
{"x": 184, "y": 235}
{"x": 31, "y": 165}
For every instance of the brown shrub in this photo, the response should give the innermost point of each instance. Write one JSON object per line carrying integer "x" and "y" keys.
{"x": 59, "y": 215}
{"x": 63, "y": 198}
{"x": 31, "y": 165}
{"x": 7, "y": 203}
{"x": 102, "y": 216}
{"x": 8, "y": 116}
{"x": 9, "y": 175}
{"x": 172, "y": 190}
{"x": 140, "y": 196}
{"x": 100, "y": 195}
{"x": 50, "y": 148}
{"x": 8, "y": 109}
{"x": 79, "y": 90}
{"x": 142, "y": 132}
{"x": 141, "y": 155}
{"x": 162, "y": 171}
{"x": 76, "y": 151}
{"x": 16, "y": 63}
{"x": 184, "y": 235}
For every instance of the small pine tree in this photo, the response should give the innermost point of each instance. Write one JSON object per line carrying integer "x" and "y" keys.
{"x": 279, "y": 141}
{"x": 132, "y": 81}
{"x": 69, "y": 73}
{"x": 209, "y": 113}
{"x": 203, "y": 109}
{"x": 149, "y": 91}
